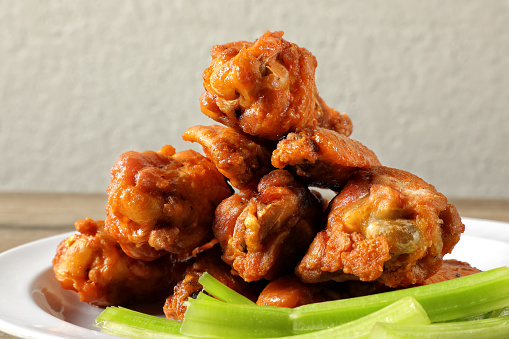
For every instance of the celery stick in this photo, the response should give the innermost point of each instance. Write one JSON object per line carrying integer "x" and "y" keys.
{"x": 221, "y": 291}
{"x": 487, "y": 328}
{"x": 205, "y": 296}
{"x": 461, "y": 297}
{"x": 492, "y": 314}
{"x": 225, "y": 320}
{"x": 495, "y": 313}
{"x": 133, "y": 332}
{"x": 404, "y": 311}
{"x": 132, "y": 318}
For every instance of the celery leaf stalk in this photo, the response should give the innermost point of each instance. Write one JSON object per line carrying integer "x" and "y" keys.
{"x": 134, "y": 332}
{"x": 225, "y": 320}
{"x": 462, "y": 297}
{"x": 205, "y": 296}
{"x": 492, "y": 328}
{"x": 221, "y": 291}
{"x": 404, "y": 311}
{"x": 134, "y": 319}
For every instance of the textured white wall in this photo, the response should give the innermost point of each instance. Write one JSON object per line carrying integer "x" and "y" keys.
{"x": 425, "y": 82}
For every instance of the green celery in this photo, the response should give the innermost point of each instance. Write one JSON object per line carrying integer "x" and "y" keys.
{"x": 221, "y": 291}
{"x": 404, "y": 311}
{"x": 245, "y": 321}
{"x": 448, "y": 300}
{"x": 205, "y": 296}
{"x": 491, "y": 314}
{"x": 505, "y": 311}
{"x": 483, "y": 293}
{"x": 224, "y": 320}
{"x": 486, "y": 328}
{"x": 138, "y": 319}
{"x": 134, "y": 332}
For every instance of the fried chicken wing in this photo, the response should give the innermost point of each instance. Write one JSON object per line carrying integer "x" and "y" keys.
{"x": 322, "y": 157}
{"x": 386, "y": 225}
{"x": 238, "y": 156}
{"x": 160, "y": 202}
{"x": 266, "y": 89}
{"x": 93, "y": 264}
{"x": 265, "y": 232}
{"x": 290, "y": 291}
{"x": 209, "y": 261}
{"x": 451, "y": 269}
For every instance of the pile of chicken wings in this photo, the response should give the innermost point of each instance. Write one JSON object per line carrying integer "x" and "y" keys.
{"x": 248, "y": 210}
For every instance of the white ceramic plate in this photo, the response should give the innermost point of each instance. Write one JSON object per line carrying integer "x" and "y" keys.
{"x": 33, "y": 305}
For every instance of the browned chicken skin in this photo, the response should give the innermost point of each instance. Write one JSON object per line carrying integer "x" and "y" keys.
{"x": 290, "y": 291}
{"x": 94, "y": 265}
{"x": 265, "y": 232}
{"x": 160, "y": 202}
{"x": 266, "y": 89}
{"x": 451, "y": 269}
{"x": 238, "y": 156}
{"x": 322, "y": 157}
{"x": 209, "y": 261}
{"x": 386, "y": 225}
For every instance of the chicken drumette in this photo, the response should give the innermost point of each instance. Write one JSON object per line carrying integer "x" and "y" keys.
{"x": 290, "y": 291}
{"x": 266, "y": 89}
{"x": 160, "y": 202}
{"x": 238, "y": 156}
{"x": 386, "y": 225}
{"x": 322, "y": 157}
{"x": 93, "y": 264}
{"x": 264, "y": 233}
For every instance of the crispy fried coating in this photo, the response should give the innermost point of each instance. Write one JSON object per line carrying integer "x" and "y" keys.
{"x": 266, "y": 89}
{"x": 264, "y": 233}
{"x": 93, "y": 264}
{"x": 322, "y": 157}
{"x": 209, "y": 261}
{"x": 386, "y": 225}
{"x": 160, "y": 202}
{"x": 238, "y": 156}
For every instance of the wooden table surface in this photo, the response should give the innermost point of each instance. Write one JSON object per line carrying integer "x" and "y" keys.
{"x": 28, "y": 217}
